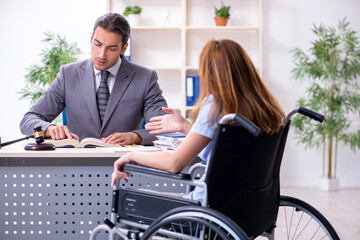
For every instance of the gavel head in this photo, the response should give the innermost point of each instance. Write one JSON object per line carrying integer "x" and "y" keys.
{"x": 38, "y": 134}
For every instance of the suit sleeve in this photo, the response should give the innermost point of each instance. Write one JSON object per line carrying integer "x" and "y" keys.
{"x": 47, "y": 108}
{"x": 153, "y": 102}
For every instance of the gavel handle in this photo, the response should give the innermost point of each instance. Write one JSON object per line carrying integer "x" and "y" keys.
{"x": 14, "y": 141}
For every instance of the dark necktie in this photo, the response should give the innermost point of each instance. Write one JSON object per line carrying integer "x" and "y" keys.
{"x": 102, "y": 95}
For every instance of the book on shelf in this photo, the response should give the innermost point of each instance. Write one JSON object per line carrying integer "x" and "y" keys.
{"x": 192, "y": 89}
{"x": 127, "y": 53}
{"x": 85, "y": 143}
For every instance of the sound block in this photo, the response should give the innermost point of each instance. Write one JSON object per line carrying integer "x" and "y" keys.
{"x": 39, "y": 147}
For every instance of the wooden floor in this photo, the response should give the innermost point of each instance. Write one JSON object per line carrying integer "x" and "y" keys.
{"x": 341, "y": 208}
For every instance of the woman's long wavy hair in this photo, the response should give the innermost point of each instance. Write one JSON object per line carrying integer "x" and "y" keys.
{"x": 227, "y": 72}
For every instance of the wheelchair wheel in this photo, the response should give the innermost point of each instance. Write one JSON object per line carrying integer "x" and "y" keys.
{"x": 193, "y": 222}
{"x": 299, "y": 220}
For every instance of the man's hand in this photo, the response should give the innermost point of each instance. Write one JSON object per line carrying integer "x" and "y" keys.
{"x": 59, "y": 132}
{"x": 124, "y": 138}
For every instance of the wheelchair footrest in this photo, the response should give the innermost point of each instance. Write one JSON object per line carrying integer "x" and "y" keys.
{"x": 145, "y": 207}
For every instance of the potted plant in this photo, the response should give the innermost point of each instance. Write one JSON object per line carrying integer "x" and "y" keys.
{"x": 332, "y": 69}
{"x": 133, "y": 14}
{"x": 40, "y": 76}
{"x": 222, "y": 15}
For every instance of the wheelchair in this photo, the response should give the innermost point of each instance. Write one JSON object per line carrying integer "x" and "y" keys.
{"x": 241, "y": 194}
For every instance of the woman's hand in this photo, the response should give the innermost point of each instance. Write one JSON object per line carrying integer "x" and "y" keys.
{"x": 118, "y": 167}
{"x": 172, "y": 122}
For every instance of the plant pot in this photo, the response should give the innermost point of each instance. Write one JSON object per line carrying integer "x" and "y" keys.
{"x": 134, "y": 19}
{"x": 221, "y": 21}
{"x": 329, "y": 184}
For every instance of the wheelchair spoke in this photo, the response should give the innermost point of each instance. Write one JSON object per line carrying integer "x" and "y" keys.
{"x": 297, "y": 225}
{"x": 287, "y": 224}
{"x": 197, "y": 228}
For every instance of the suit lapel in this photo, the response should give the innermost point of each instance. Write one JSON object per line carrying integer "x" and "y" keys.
{"x": 122, "y": 81}
{"x": 86, "y": 76}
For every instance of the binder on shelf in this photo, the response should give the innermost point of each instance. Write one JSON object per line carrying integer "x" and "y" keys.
{"x": 192, "y": 89}
{"x": 127, "y": 53}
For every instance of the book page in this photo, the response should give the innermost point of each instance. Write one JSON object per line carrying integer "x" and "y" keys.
{"x": 86, "y": 142}
{"x": 90, "y": 141}
{"x": 63, "y": 142}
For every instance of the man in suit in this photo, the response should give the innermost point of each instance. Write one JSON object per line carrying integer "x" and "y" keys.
{"x": 134, "y": 93}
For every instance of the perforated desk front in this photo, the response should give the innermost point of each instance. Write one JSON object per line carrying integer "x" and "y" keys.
{"x": 61, "y": 194}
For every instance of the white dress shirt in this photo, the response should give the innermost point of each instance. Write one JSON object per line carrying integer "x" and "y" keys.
{"x": 111, "y": 79}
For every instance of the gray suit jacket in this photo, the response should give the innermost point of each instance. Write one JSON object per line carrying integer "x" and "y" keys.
{"x": 135, "y": 96}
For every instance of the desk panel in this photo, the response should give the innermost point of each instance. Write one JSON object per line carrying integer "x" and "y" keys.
{"x": 53, "y": 202}
{"x": 62, "y": 194}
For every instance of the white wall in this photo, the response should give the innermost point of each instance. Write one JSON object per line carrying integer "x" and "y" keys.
{"x": 286, "y": 24}
{"x": 22, "y": 24}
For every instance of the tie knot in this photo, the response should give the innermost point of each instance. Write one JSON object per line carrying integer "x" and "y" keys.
{"x": 104, "y": 75}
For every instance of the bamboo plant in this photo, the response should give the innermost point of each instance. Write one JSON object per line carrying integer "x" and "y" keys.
{"x": 332, "y": 69}
{"x": 40, "y": 76}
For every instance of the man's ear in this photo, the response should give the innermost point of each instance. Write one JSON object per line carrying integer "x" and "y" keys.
{"x": 92, "y": 35}
{"x": 124, "y": 48}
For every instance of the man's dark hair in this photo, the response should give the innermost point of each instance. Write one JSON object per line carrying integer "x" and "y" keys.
{"x": 114, "y": 22}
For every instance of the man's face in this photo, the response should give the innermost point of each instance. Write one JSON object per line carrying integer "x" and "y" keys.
{"x": 105, "y": 48}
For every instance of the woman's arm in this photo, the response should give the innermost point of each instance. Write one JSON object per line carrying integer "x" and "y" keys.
{"x": 168, "y": 161}
{"x": 172, "y": 122}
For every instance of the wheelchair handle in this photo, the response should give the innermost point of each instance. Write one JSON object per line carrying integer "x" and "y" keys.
{"x": 243, "y": 121}
{"x": 307, "y": 112}
{"x": 109, "y": 223}
{"x": 113, "y": 227}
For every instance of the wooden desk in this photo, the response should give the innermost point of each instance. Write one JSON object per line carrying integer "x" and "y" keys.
{"x": 61, "y": 194}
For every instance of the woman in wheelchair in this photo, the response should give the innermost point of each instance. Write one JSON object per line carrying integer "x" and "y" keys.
{"x": 229, "y": 83}
{"x": 242, "y": 197}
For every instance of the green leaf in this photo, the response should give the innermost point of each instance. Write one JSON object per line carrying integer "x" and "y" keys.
{"x": 224, "y": 11}
{"x": 132, "y": 10}
{"x": 40, "y": 76}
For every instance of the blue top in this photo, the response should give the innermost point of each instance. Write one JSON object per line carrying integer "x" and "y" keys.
{"x": 203, "y": 127}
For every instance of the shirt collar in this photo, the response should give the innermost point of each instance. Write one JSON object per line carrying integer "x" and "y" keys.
{"x": 113, "y": 70}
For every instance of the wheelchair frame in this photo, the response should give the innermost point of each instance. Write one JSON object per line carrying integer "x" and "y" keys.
{"x": 209, "y": 218}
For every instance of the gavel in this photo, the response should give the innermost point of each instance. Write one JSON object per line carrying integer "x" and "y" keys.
{"x": 39, "y": 139}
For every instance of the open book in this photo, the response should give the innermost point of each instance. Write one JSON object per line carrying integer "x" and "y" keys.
{"x": 86, "y": 142}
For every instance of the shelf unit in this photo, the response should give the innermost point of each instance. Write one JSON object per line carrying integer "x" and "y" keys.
{"x": 172, "y": 48}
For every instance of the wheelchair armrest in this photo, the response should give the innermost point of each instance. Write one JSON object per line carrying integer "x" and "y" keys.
{"x": 196, "y": 166}
{"x": 129, "y": 168}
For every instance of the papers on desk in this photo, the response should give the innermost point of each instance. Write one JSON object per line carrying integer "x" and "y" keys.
{"x": 135, "y": 148}
{"x": 169, "y": 141}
